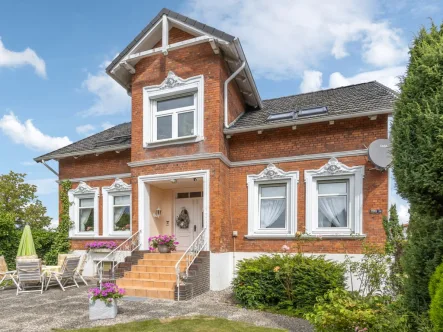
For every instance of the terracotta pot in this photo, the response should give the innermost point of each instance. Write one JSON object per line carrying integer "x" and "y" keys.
{"x": 163, "y": 248}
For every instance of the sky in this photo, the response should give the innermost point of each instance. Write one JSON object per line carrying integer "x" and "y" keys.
{"x": 54, "y": 90}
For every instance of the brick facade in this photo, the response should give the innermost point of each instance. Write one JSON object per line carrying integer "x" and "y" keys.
{"x": 228, "y": 190}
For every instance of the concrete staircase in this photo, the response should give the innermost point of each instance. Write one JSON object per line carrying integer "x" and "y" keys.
{"x": 152, "y": 276}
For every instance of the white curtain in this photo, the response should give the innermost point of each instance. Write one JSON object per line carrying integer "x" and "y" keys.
{"x": 270, "y": 210}
{"x": 333, "y": 210}
{"x": 118, "y": 212}
{"x": 84, "y": 216}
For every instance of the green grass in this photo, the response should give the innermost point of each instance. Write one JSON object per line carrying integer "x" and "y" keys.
{"x": 188, "y": 324}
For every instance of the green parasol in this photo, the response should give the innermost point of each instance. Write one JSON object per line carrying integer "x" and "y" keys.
{"x": 26, "y": 247}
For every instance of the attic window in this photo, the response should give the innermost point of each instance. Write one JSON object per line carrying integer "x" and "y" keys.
{"x": 312, "y": 111}
{"x": 281, "y": 116}
{"x": 114, "y": 140}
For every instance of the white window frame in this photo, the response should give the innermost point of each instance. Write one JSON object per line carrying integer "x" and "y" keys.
{"x": 272, "y": 175}
{"x": 74, "y": 195}
{"x": 335, "y": 171}
{"x": 172, "y": 87}
{"x": 118, "y": 188}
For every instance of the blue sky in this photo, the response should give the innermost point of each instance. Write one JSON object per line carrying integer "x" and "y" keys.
{"x": 53, "y": 89}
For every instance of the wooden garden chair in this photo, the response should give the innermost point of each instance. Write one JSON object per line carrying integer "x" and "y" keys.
{"x": 6, "y": 275}
{"x": 29, "y": 275}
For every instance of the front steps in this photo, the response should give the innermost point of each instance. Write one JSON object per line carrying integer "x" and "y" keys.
{"x": 152, "y": 276}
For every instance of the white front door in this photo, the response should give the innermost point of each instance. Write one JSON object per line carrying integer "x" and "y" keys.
{"x": 194, "y": 208}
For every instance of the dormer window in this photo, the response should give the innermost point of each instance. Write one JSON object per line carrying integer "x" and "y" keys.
{"x": 173, "y": 111}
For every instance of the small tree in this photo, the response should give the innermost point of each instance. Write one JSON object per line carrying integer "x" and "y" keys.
{"x": 19, "y": 206}
{"x": 395, "y": 242}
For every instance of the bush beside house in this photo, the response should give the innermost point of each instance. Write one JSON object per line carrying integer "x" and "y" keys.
{"x": 284, "y": 281}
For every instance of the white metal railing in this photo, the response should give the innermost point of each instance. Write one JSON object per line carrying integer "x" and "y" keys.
{"x": 119, "y": 254}
{"x": 189, "y": 256}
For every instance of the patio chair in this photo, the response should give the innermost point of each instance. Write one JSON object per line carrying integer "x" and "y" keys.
{"x": 67, "y": 272}
{"x": 80, "y": 268}
{"x": 6, "y": 275}
{"x": 29, "y": 275}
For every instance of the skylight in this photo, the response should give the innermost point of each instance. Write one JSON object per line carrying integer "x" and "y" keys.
{"x": 281, "y": 116}
{"x": 312, "y": 111}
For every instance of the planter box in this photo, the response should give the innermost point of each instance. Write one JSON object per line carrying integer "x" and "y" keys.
{"x": 101, "y": 310}
{"x": 101, "y": 250}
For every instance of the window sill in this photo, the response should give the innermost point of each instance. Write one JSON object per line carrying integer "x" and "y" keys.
{"x": 270, "y": 237}
{"x": 191, "y": 139}
{"x": 334, "y": 236}
{"x": 99, "y": 237}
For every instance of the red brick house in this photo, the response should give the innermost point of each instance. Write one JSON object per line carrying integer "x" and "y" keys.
{"x": 250, "y": 173}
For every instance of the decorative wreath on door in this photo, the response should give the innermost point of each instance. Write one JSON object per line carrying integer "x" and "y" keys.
{"x": 182, "y": 220}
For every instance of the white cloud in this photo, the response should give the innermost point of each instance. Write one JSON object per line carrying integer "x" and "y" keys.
{"x": 107, "y": 125}
{"x": 312, "y": 81}
{"x": 387, "y": 76}
{"x": 30, "y": 136}
{"x": 286, "y": 37}
{"x": 403, "y": 213}
{"x": 110, "y": 97}
{"x": 85, "y": 129}
{"x": 13, "y": 59}
{"x": 45, "y": 186}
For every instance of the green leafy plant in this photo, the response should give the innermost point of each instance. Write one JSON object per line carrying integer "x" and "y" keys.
{"x": 342, "y": 311}
{"x": 284, "y": 281}
{"x": 372, "y": 271}
{"x": 436, "y": 294}
{"x": 395, "y": 243}
{"x": 61, "y": 244}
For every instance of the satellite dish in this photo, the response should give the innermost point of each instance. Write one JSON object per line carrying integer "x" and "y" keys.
{"x": 380, "y": 153}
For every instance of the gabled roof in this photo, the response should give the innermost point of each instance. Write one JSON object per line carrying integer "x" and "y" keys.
{"x": 122, "y": 67}
{"x": 206, "y": 28}
{"x": 369, "y": 98}
{"x": 349, "y": 101}
{"x": 112, "y": 139}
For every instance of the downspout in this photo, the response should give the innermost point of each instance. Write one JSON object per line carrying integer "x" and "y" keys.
{"x": 49, "y": 167}
{"x": 230, "y": 78}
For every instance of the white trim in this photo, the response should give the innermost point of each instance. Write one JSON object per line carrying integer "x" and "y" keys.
{"x": 272, "y": 175}
{"x": 170, "y": 87}
{"x": 144, "y": 200}
{"x": 165, "y": 34}
{"x": 223, "y": 158}
{"x": 118, "y": 188}
{"x": 85, "y": 152}
{"x": 74, "y": 195}
{"x": 232, "y": 131}
{"x": 335, "y": 170}
{"x": 101, "y": 177}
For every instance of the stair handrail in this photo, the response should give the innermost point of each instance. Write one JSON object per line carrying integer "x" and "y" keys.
{"x": 99, "y": 265}
{"x": 191, "y": 254}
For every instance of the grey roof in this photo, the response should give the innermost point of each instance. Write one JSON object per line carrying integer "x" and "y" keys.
{"x": 108, "y": 140}
{"x": 165, "y": 11}
{"x": 358, "y": 98}
{"x": 352, "y": 99}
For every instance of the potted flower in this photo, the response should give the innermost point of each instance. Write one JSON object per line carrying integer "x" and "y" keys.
{"x": 103, "y": 302}
{"x": 164, "y": 243}
{"x": 101, "y": 246}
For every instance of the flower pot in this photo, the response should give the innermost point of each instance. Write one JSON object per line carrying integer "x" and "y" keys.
{"x": 163, "y": 248}
{"x": 101, "y": 250}
{"x": 102, "y": 310}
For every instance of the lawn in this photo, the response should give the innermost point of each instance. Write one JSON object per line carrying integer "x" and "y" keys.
{"x": 188, "y": 324}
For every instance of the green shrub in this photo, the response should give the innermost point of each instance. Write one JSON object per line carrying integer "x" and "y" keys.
{"x": 436, "y": 279}
{"x": 343, "y": 311}
{"x": 436, "y": 293}
{"x": 290, "y": 282}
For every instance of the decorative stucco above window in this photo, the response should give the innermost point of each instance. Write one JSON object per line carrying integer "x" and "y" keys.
{"x": 334, "y": 200}
{"x": 84, "y": 211}
{"x": 173, "y": 111}
{"x": 117, "y": 209}
{"x": 272, "y": 203}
